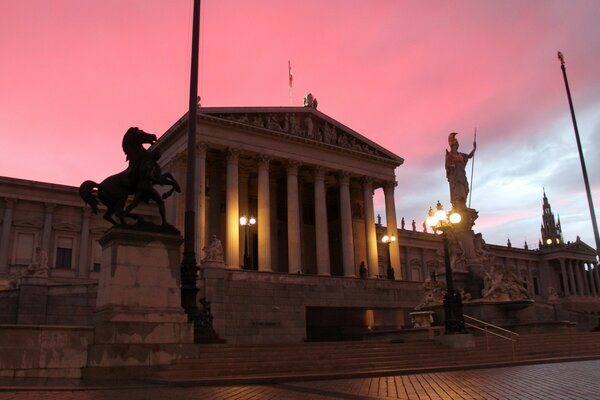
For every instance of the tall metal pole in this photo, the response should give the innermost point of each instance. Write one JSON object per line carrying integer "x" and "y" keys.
{"x": 453, "y": 308}
{"x": 583, "y": 168}
{"x": 189, "y": 269}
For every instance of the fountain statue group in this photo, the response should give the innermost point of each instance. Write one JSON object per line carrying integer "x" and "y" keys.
{"x": 468, "y": 252}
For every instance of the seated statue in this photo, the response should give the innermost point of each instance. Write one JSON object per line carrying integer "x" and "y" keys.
{"x": 213, "y": 252}
{"x": 39, "y": 265}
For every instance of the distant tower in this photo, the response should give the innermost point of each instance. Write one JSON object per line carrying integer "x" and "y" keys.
{"x": 551, "y": 231}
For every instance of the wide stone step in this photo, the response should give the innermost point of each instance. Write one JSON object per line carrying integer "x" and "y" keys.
{"x": 262, "y": 363}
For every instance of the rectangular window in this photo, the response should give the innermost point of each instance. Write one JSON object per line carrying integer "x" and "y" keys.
{"x": 24, "y": 246}
{"x": 64, "y": 252}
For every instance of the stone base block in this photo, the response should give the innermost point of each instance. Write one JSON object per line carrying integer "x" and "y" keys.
{"x": 143, "y": 332}
{"x": 138, "y": 355}
{"x": 458, "y": 341}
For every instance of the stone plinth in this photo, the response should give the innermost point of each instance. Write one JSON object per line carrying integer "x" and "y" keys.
{"x": 33, "y": 297}
{"x": 138, "y": 319}
{"x": 421, "y": 319}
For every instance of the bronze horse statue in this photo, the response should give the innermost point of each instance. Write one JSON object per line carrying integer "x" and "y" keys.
{"x": 137, "y": 180}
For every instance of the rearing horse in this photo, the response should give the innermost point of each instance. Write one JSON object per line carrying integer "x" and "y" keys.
{"x": 138, "y": 180}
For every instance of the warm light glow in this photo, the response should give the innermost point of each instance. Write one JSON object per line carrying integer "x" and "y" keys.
{"x": 247, "y": 221}
{"x": 385, "y": 239}
{"x": 455, "y": 218}
{"x": 392, "y": 238}
{"x": 548, "y": 241}
{"x": 440, "y": 215}
{"x": 432, "y": 221}
{"x": 557, "y": 241}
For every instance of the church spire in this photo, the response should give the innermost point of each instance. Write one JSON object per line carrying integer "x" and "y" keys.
{"x": 551, "y": 231}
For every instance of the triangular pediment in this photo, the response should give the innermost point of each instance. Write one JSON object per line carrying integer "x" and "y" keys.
{"x": 306, "y": 123}
{"x": 581, "y": 246}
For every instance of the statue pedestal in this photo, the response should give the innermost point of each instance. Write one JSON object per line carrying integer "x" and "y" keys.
{"x": 33, "y": 299}
{"x": 139, "y": 320}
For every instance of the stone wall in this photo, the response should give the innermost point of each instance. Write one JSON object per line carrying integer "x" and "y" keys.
{"x": 48, "y": 305}
{"x": 9, "y": 305}
{"x": 71, "y": 304}
{"x": 43, "y": 351}
{"x": 251, "y": 307}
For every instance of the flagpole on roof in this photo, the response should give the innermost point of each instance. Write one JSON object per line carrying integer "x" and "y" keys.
{"x": 290, "y": 80}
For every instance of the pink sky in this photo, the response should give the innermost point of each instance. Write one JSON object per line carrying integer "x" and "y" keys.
{"x": 76, "y": 74}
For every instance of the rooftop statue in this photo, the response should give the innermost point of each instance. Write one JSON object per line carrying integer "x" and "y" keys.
{"x": 455, "y": 172}
{"x": 138, "y": 180}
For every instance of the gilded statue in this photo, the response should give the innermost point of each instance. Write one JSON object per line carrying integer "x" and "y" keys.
{"x": 456, "y": 163}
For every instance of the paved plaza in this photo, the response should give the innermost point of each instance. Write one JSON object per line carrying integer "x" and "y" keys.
{"x": 573, "y": 380}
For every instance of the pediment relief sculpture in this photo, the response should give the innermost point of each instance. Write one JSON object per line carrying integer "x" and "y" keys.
{"x": 304, "y": 125}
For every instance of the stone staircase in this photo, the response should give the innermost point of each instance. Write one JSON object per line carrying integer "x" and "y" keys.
{"x": 277, "y": 363}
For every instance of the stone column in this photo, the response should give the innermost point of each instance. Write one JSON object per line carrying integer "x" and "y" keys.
{"x": 216, "y": 198}
{"x": 574, "y": 290}
{"x": 346, "y": 222}
{"x": 47, "y": 230}
{"x": 321, "y": 226}
{"x": 4, "y": 240}
{"x": 586, "y": 281}
{"x": 596, "y": 275}
{"x": 200, "y": 198}
{"x": 392, "y": 227}
{"x": 293, "y": 218}
{"x": 592, "y": 278}
{"x": 578, "y": 277}
{"x": 233, "y": 210}
{"x": 264, "y": 215}
{"x": 565, "y": 278}
{"x": 370, "y": 234}
{"x": 83, "y": 267}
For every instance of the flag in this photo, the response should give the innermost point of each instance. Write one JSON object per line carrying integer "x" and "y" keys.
{"x": 291, "y": 78}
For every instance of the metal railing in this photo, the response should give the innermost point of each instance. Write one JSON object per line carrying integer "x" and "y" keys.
{"x": 486, "y": 329}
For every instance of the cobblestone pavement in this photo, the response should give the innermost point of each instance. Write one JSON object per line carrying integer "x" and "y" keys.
{"x": 573, "y": 381}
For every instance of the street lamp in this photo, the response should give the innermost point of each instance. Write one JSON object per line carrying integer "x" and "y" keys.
{"x": 443, "y": 221}
{"x": 388, "y": 240}
{"x": 247, "y": 222}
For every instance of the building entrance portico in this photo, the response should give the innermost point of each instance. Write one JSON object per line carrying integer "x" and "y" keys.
{"x": 307, "y": 179}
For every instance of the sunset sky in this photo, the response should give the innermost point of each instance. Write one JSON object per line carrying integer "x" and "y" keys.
{"x": 75, "y": 74}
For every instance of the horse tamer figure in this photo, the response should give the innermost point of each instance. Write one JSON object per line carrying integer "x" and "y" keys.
{"x": 138, "y": 180}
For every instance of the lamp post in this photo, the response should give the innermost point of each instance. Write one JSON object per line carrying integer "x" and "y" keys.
{"x": 247, "y": 222}
{"x": 388, "y": 240}
{"x": 443, "y": 221}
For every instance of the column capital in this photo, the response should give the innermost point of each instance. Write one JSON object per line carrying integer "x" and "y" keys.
{"x": 263, "y": 160}
{"x": 233, "y": 155}
{"x": 344, "y": 177}
{"x": 49, "y": 207}
{"x": 291, "y": 167}
{"x": 319, "y": 172}
{"x": 201, "y": 148}
{"x": 367, "y": 183}
{"x": 10, "y": 202}
{"x": 87, "y": 212}
{"x": 389, "y": 186}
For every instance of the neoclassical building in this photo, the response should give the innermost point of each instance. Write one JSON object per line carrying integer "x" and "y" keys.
{"x": 307, "y": 179}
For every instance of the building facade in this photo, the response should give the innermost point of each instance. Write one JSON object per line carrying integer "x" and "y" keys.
{"x": 315, "y": 252}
